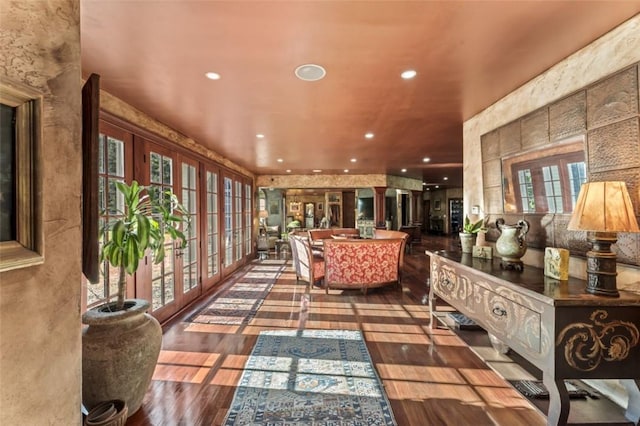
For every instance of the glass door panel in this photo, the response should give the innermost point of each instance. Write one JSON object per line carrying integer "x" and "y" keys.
{"x": 228, "y": 222}
{"x": 238, "y": 221}
{"x": 162, "y": 274}
{"x": 115, "y": 148}
{"x": 211, "y": 255}
{"x": 189, "y": 255}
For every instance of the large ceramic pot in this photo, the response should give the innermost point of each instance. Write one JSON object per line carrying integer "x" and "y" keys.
{"x": 119, "y": 353}
{"x": 512, "y": 244}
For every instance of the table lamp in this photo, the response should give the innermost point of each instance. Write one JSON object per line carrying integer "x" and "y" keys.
{"x": 603, "y": 208}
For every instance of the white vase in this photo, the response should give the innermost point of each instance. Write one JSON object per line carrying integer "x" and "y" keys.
{"x": 512, "y": 245}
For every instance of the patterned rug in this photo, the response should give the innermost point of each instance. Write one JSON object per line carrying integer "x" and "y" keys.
{"x": 239, "y": 303}
{"x": 310, "y": 377}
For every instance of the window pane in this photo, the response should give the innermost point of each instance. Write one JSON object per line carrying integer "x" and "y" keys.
{"x": 155, "y": 168}
{"x": 167, "y": 170}
{"x": 7, "y": 174}
{"x": 115, "y": 157}
{"x": 101, "y": 143}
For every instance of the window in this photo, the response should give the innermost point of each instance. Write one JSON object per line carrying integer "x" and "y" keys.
{"x": 213, "y": 252}
{"x": 526, "y": 191}
{"x": 190, "y": 252}
{"x": 111, "y": 158}
{"x": 544, "y": 181}
{"x": 552, "y": 188}
{"x": 21, "y": 238}
{"x": 248, "y": 219}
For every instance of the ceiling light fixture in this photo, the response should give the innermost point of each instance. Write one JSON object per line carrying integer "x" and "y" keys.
{"x": 353, "y": 160}
{"x": 346, "y": 170}
{"x": 288, "y": 170}
{"x": 317, "y": 171}
{"x": 445, "y": 178}
{"x": 279, "y": 160}
{"x": 408, "y": 74}
{"x": 260, "y": 136}
{"x": 437, "y": 186}
{"x": 310, "y": 72}
{"x": 369, "y": 135}
{"x": 426, "y": 159}
{"x": 403, "y": 170}
{"x": 212, "y": 75}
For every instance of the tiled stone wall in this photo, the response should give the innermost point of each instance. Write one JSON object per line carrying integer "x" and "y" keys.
{"x": 611, "y": 53}
{"x": 606, "y": 113}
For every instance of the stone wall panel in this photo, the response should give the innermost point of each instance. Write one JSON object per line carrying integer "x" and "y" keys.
{"x": 613, "y": 99}
{"x": 490, "y": 145}
{"x": 510, "y": 141}
{"x": 568, "y": 116}
{"x": 615, "y": 146}
{"x": 535, "y": 129}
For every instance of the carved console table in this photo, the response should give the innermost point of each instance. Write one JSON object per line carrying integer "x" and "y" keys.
{"x": 557, "y": 326}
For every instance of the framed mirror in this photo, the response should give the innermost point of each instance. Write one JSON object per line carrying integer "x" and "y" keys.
{"x": 544, "y": 180}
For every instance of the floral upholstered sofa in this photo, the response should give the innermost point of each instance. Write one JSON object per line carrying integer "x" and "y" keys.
{"x": 365, "y": 263}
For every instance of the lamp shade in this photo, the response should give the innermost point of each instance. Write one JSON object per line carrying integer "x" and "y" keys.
{"x": 604, "y": 207}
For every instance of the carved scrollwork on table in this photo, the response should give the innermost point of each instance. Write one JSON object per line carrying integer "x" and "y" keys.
{"x": 587, "y": 345}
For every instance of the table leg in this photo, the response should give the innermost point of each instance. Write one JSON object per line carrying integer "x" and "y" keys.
{"x": 432, "y": 309}
{"x": 558, "y": 400}
{"x": 633, "y": 407}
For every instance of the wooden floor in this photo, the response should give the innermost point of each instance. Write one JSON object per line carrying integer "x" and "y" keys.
{"x": 431, "y": 377}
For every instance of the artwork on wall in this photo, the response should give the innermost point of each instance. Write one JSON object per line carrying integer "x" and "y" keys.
{"x": 294, "y": 207}
{"x": 273, "y": 208}
{"x": 320, "y": 206}
{"x": 436, "y": 204}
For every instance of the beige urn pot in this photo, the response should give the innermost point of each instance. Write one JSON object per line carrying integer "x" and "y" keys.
{"x": 120, "y": 350}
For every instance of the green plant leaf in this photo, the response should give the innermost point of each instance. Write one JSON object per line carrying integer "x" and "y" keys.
{"x": 131, "y": 256}
{"x": 118, "y": 233}
{"x": 143, "y": 231}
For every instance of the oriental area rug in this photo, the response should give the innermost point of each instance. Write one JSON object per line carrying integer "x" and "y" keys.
{"x": 240, "y": 302}
{"x": 310, "y": 377}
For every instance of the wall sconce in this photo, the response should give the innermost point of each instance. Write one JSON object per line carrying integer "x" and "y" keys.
{"x": 603, "y": 208}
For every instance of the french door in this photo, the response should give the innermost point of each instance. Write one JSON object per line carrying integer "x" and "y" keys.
{"x": 210, "y": 225}
{"x": 175, "y": 281}
{"x": 235, "y": 232}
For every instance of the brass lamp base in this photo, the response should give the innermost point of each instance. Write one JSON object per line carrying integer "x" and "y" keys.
{"x": 601, "y": 264}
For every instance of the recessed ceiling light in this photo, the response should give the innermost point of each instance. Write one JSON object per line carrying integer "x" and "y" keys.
{"x": 317, "y": 171}
{"x": 279, "y": 160}
{"x": 424, "y": 183}
{"x": 310, "y": 72}
{"x": 260, "y": 136}
{"x": 346, "y": 170}
{"x": 212, "y": 76}
{"x": 403, "y": 170}
{"x": 353, "y": 160}
{"x": 428, "y": 189}
{"x": 426, "y": 159}
{"x": 445, "y": 178}
{"x": 288, "y": 170}
{"x": 369, "y": 135}
{"x": 437, "y": 186}
{"x": 408, "y": 74}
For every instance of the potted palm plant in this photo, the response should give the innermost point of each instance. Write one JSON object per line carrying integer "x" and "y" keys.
{"x": 468, "y": 234}
{"x": 121, "y": 345}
